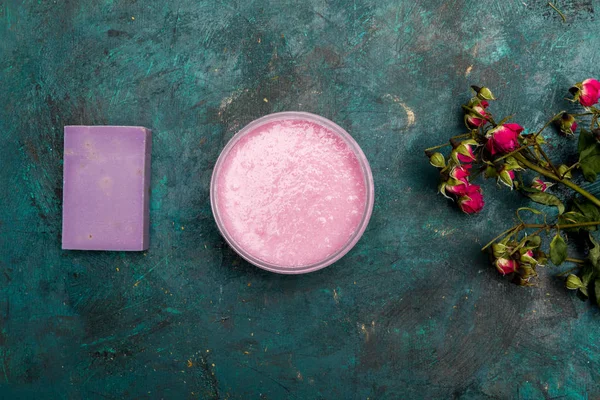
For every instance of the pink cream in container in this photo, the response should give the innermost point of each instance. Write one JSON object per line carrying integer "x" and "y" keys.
{"x": 292, "y": 192}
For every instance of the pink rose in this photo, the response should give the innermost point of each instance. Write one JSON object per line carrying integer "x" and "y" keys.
{"x": 460, "y": 186}
{"x": 540, "y": 184}
{"x": 503, "y": 138}
{"x": 472, "y": 201}
{"x": 464, "y": 158}
{"x": 474, "y": 120}
{"x": 506, "y": 265}
{"x": 461, "y": 172}
{"x": 587, "y": 92}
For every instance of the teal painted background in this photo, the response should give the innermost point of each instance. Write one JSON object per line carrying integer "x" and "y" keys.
{"x": 413, "y": 311}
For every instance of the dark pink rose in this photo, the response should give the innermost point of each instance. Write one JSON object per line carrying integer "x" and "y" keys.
{"x": 589, "y": 92}
{"x": 461, "y": 172}
{"x": 504, "y": 138}
{"x": 472, "y": 201}
{"x": 506, "y": 265}
{"x": 464, "y": 158}
{"x": 474, "y": 120}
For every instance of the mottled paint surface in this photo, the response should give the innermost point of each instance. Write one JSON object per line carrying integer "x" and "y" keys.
{"x": 413, "y": 311}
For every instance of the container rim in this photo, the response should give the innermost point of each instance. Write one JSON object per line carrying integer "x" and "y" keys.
{"x": 367, "y": 175}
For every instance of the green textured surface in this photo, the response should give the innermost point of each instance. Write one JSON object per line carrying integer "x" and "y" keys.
{"x": 413, "y": 311}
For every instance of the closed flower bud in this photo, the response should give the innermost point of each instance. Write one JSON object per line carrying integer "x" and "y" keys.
{"x": 504, "y": 138}
{"x": 464, "y": 151}
{"x": 507, "y": 177}
{"x": 540, "y": 184}
{"x": 483, "y": 93}
{"x": 506, "y": 265}
{"x": 527, "y": 258}
{"x": 567, "y": 124}
{"x": 586, "y": 92}
{"x": 472, "y": 201}
{"x": 499, "y": 250}
{"x": 437, "y": 160}
{"x": 564, "y": 172}
{"x": 460, "y": 172}
{"x": 476, "y": 117}
{"x": 574, "y": 283}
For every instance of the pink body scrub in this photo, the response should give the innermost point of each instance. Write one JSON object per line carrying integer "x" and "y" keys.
{"x": 292, "y": 192}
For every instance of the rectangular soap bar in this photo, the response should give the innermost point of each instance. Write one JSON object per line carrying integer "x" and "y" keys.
{"x": 106, "y": 181}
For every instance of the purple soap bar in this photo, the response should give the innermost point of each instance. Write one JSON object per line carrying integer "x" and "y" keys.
{"x": 106, "y": 182}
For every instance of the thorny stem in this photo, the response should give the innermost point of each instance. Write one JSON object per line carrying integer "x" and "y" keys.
{"x": 513, "y": 152}
{"x": 561, "y": 226}
{"x": 569, "y": 270}
{"x": 575, "y": 260}
{"x": 556, "y": 178}
{"x": 464, "y": 135}
{"x": 506, "y": 232}
{"x": 541, "y": 227}
{"x": 556, "y": 116}
{"x": 543, "y": 153}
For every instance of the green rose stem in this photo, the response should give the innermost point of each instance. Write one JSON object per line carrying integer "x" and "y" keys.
{"x": 464, "y": 135}
{"x": 521, "y": 226}
{"x": 519, "y": 157}
{"x": 556, "y": 116}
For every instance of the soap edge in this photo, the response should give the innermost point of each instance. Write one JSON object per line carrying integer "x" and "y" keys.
{"x": 146, "y": 194}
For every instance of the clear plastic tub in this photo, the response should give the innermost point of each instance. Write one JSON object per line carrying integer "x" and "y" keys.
{"x": 292, "y": 192}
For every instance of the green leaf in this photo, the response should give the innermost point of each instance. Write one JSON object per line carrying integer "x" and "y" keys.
{"x": 588, "y": 209}
{"x": 546, "y": 199}
{"x": 558, "y": 250}
{"x": 594, "y": 255}
{"x": 586, "y": 140}
{"x": 572, "y": 217}
{"x": 588, "y": 275}
{"x": 590, "y": 167}
{"x": 589, "y": 155}
{"x": 597, "y": 290}
{"x": 534, "y": 241}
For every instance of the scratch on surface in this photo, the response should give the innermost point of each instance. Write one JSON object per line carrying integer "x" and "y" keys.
{"x": 336, "y": 297}
{"x": 165, "y": 260}
{"x": 469, "y": 69}
{"x": 410, "y": 114}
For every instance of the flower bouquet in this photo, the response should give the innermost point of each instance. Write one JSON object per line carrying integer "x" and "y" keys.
{"x": 504, "y": 151}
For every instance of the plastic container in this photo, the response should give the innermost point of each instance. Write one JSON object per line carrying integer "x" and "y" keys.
{"x": 292, "y": 192}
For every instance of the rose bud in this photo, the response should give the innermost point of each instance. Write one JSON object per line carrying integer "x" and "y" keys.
{"x": 563, "y": 172}
{"x": 483, "y": 93}
{"x": 506, "y": 265}
{"x": 463, "y": 152}
{"x": 527, "y": 257}
{"x": 499, "y": 249}
{"x": 507, "y": 177}
{"x": 474, "y": 119}
{"x": 566, "y": 124}
{"x": 587, "y": 92}
{"x": 461, "y": 172}
{"x": 540, "y": 184}
{"x": 574, "y": 283}
{"x": 503, "y": 138}
{"x": 471, "y": 202}
{"x": 458, "y": 184}
{"x": 437, "y": 160}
